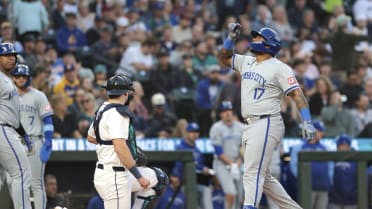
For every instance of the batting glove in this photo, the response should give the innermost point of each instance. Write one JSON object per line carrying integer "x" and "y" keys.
{"x": 308, "y": 130}
{"x": 235, "y": 171}
{"x": 45, "y": 151}
{"x": 234, "y": 30}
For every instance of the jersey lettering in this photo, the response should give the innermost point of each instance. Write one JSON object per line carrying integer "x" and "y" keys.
{"x": 28, "y": 108}
{"x": 254, "y": 76}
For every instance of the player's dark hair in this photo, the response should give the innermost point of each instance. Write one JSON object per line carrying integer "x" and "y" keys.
{"x": 113, "y": 96}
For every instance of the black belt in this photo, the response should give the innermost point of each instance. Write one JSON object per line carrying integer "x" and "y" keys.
{"x": 115, "y": 168}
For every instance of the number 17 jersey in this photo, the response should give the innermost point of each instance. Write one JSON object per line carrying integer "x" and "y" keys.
{"x": 263, "y": 84}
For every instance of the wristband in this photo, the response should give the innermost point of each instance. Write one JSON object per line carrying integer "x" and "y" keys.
{"x": 134, "y": 170}
{"x": 305, "y": 114}
{"x": 228, "y": 44}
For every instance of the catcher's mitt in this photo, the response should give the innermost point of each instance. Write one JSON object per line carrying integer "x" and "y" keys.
{"x": 141, "y": 157}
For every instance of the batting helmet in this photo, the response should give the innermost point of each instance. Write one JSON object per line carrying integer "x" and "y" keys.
{"x": 8, "y": 48}
{"x": 117, "y": 85}
{"x": 271, "y": 44}
{"x": 22, "y": 69}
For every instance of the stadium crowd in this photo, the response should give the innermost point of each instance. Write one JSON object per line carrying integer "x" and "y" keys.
{"x": 169, "y": 48}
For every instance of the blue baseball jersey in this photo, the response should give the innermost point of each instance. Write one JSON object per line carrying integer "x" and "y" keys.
{"x": 166, "y": 197}
{"x": 198, "y": 157}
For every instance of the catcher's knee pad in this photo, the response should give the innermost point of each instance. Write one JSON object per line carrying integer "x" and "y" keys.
{"x": 163, "y": 181}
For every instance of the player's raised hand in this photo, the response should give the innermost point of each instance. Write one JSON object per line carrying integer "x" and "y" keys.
{"x": 308, "y": 130}
{"x": 234, "y": 30}
{"x": 144, "y": 182}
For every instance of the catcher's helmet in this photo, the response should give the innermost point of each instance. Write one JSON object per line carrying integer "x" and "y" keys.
{"x": 271, "y": 44}
{"x": 22, "y": 69}
{"x": 118, "y": 85}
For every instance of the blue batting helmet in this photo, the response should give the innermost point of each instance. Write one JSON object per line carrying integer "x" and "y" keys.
{"x": 271, "y": 44}
{"x": 7, "y": 48}
{"x": 22, "y": 70}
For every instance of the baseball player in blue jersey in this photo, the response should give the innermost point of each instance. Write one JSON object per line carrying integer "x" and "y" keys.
{"x": 13, "y": 158}
{"x": 265, "y": 80}
{"x": 321, "y": 172}
{"x": 226, "y": 137}
{"x": 189, "y": 143}
{"x": 36, "y": 118}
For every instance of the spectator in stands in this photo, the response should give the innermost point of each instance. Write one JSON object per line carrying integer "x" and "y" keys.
{"x": 344, "y": 191}
{"x": 51, "y": 189}
{"x": 203, "y": 173}
{"x": 100, "y": 75}
{"x": 40, "y": 79}
{"x": 321, "y": 96}
{"x": 295, "y": 14}
{"x": 28, "y": 42}
{"x": 138, "y": 58}
{"x": 65, "y": 123}
{"x": 281, "y": 25}
{"x": 68, "y": 84}
{"x": 182, "y": 31}
{"x": 352, "y": 88}
{"x": 87, "y": 113}
{"x": 162, "y": 77}
{"x": 167, "y": 41}
{"x": 368, "y": 91}
{"x": 300, "y": 69}
{"x": 38, "y": 55}
{"x": 362, "y": 115}
{"x": 105, "y": 50}
{"x": 173, "y": 196}
{"x": 321, "y": 172}
{"x": 161, "y": 123}
{"x": 70, "y": 38}
{"x": 77, "y": 106}
{"x": 92, "y": 34}
{"x": 7, "y": 36}
{"x": 262, "y": 18}
{"x": 58, "y": 16}
{"x": 325, "y": 69}
{"x": 336, "y": 117}
{"x": 85, "y": 18}
{"x": 343, "y": 43}
{"x": 158, "y": 18}
{"x": 207, "y": 93}
{"x": 30, "y": 17}
{"x": 122, "y": 24}
{"x": 201, "y": 61}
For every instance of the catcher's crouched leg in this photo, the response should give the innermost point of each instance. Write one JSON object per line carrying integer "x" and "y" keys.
{"x": 158, "y": 182}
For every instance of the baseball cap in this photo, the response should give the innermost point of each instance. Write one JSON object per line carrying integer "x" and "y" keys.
{"x": 122, "y": 22}
{"x": 319, "y": 125}
{"x": 192, "y": 127}
{"x": 226, "y": 105}
{"x": 158, "y": 99}
{"x": 100, "y": 68}
{"x": 68, "y": 68}
{"x": 213, "y": 68}
{"x": 343, "y": 19}
{"x": 343, "y": 139}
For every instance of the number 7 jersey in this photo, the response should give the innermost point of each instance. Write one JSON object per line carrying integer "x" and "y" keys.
{"x": 263, "y": 84}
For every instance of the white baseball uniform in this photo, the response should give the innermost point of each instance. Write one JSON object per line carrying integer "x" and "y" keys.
{"x": 13, "y": 157}
{"x": 113, "y": 182}
{"x": 34, "y": 108}
{"x": 263, "y": 86}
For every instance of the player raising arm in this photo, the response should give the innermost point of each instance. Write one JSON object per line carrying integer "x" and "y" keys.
{"x": 265, "y": 80}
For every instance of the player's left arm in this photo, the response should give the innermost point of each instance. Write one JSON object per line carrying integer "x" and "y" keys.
{"x": 301, "y": 103}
